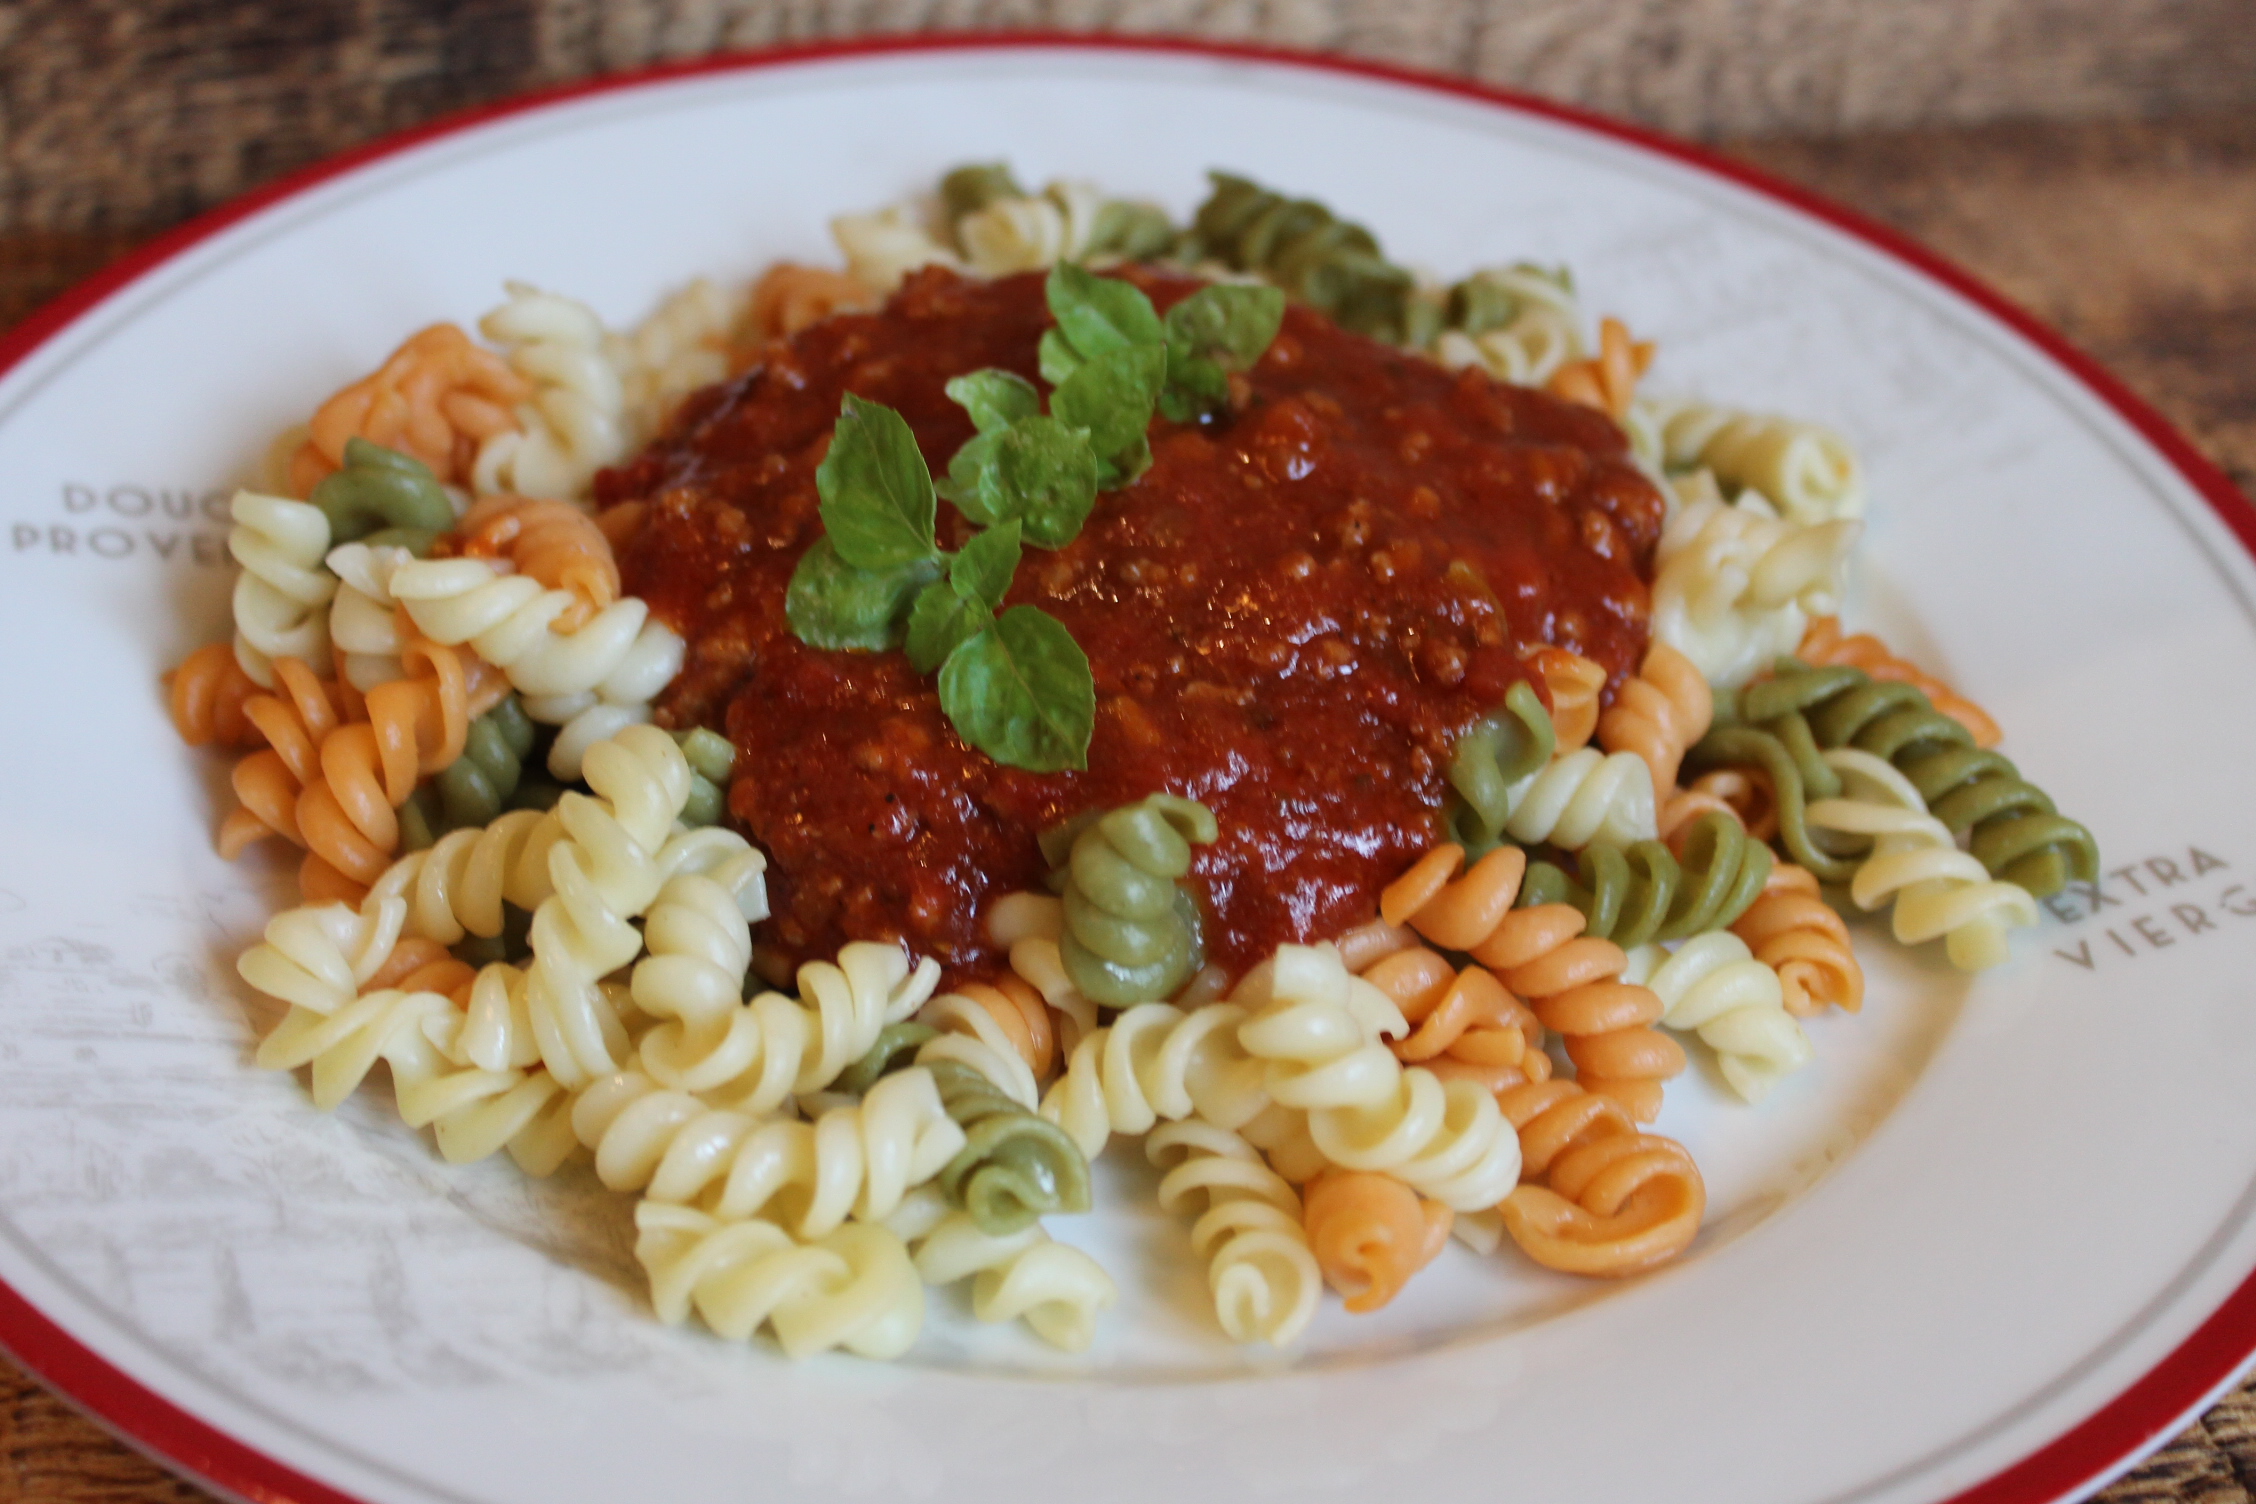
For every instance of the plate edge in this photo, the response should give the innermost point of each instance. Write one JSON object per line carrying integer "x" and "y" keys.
{"x": 2108, "y": 1441}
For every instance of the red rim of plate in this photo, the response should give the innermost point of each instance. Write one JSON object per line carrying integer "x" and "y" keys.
{"x": 2111, "y": 1438}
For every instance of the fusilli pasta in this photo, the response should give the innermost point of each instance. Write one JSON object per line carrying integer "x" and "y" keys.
{"x": 1263, "y": 1276}
{"x": 1713, "y": 986}
{"x": 1370, "y": 1233}
{"x": 1938, "y": 889}
{"x": 1055, "y": 1288}
{"x": 1734, "y": 586}
{"x": 855, "y": 1288}
{"x": 573, "y": 419}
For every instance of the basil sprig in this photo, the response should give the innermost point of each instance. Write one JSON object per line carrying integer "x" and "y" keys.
{"x": 1013, "y": 682}
{"x": 1016, "y": 685}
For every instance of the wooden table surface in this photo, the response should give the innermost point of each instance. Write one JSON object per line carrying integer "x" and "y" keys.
{"x": 2135, "y": 239}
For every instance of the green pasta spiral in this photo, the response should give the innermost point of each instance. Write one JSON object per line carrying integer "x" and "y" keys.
{"x": 1131, "y": 231}
{"x": 1496, "y": 752}
{"x": 1015, "y": 1165}
{"x": 712, "y": 758}
{"x": 383, "y": 496}
{"x": 975, "y": 185}
{"x": 1132, "y": 931}
{"x": 895, "y": 1049}
{"x": 2015, "y": 830}
{"x": 1795, "y": 778}
{"x": 476, "y": 787}
{"x": 1329, "y": 263}
{"x": 1640, "y": 892}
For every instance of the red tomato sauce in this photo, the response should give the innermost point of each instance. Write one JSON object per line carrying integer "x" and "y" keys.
{"x": 1291, "y": 617}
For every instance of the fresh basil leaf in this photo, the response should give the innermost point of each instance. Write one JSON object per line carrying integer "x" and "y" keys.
{"x": 877, "y": 497}
{"x": 1111, "y": 396}
{"x": 971, "y": 483}
{"x": 995, "y": 399}
{"x": 1124, "y": 466}
{"x": 1047, "y": 474}
{"x": 1056, "y": 356}
{"x": 939, "y": 622}
{"x": 982, "y": 571}
{"x": 1021, "y": 692}
{"x": 1101, "y": 314}
{"x": 838, "y": 606}
{"x": 1214, "y": 331}
{"x": 1227, "y": 323}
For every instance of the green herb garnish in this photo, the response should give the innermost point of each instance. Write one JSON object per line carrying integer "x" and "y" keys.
{"x": 1012, "y": 682}
{"x": 1021, "y": 692}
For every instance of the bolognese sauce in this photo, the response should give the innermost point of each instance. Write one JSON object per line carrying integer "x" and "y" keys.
{"x": 1291, "y": 617}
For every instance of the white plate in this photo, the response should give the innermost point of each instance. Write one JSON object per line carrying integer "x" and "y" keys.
{"x": 1995, "y": 1239}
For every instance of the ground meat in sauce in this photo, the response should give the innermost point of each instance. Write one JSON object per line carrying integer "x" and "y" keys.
{"x": 1290, "y": 616}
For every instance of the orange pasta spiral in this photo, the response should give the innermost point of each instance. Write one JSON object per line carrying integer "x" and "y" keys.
{"x": 1370, "y": 1233}
{"x": 1571, "y": 981}
{"x": 207, "y": 695}
{"x": 553, "y": 542}
{"x": 1742, "y": 793}
{"x": 415, "y": 727}
{"x": 436, "y": 397}
{"x": 1464, "y": 1023}
{"x": 293, "y": 724}
{"x": 1574, "y": 684}
{"x": 788, "y": 297}
{"x": 1026, "y": 1020}
{"x": 1541, "y": 955}
{"x": 1659, "y": 714}
{"x": 1596, "y": 1196}
{"x": 1824, "y": 644}
{"x": 1607, "y": 380}
{"x": 1796, "y": 934}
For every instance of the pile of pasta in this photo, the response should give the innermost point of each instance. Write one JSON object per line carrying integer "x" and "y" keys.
{"x": 518, "y": 897}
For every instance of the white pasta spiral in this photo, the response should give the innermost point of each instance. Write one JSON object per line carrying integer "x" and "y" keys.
{"x": 456, "y": 887}
{"x": 857, "y": 1160}
{"x": 473, "y": 1111}
{"x": 1735, "y": 586}
{"x": 1319, "y": 1028}
{"x": 318, "y": 956}
{"x": 363, "y": 624}
{"x": 883, "y": 247}
{"x": 682, "y": 346}
{"x": 575, "y": 421}
{"x": 1583, "y": 796}
{"x": 1030, "y": 233}
{"x": 855, "y": 1288}
{"x": 604, "y": 875}
{"x": 1263, "y": 1277}
{"x": 1544, "y": 333}
{"x": 593, "y": 681}
{"x": 621, "y": 700}
{"x": 1157, "y": 1062}
{"x": 1808, "y": 472}
{"x": 752, "y": 1056}
{"x": 1057, "y": 1289}
{"x": 284, "y": 586}
{"x": 1938, "y": 889}
{"x": 1713, "y": 986}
